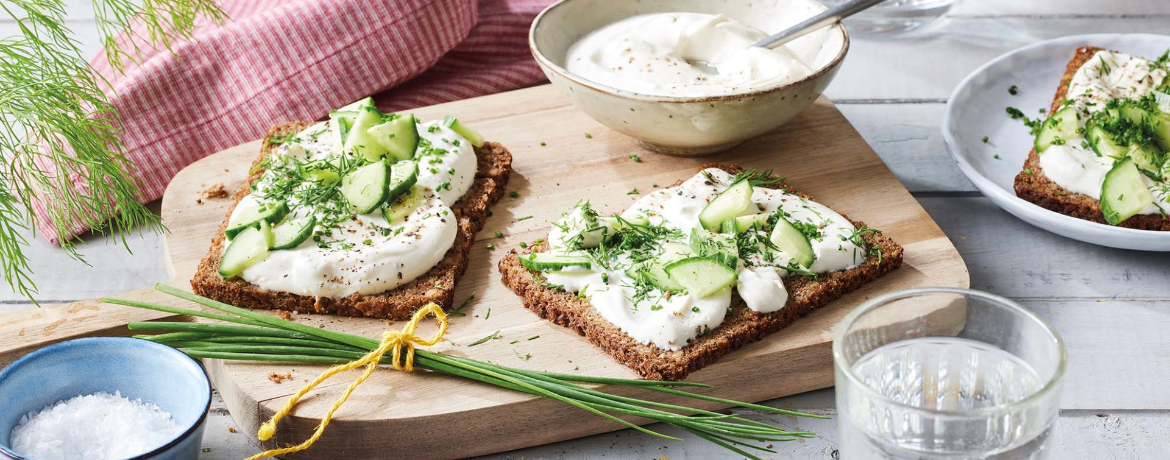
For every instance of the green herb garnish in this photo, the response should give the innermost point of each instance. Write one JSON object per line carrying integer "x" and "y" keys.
{"x": 485, "y": 339}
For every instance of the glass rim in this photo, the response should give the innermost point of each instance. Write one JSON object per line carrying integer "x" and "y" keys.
{"x": 1049, "y": 387}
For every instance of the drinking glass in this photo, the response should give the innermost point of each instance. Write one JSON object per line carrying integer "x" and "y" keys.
{"x": 940, "y": 373}
{"x": 895, "y": 15}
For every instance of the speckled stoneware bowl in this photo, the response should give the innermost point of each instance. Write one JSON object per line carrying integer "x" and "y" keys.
{"x": 685, "y": 126}
{"x": 139, "y": 369}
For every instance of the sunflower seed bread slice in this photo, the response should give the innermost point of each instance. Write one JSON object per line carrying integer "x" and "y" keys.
{"x": 741, "y": 326}
{"x": 1032, "y": 185}
{"x": 437, "y": 285}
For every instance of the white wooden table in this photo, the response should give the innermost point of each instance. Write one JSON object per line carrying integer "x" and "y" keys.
{"x": 1111, "y": 306}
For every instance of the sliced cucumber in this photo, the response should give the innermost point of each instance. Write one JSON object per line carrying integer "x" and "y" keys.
{"x": 728, "y": 204}
{"x": 1103, "y": 144}
{"x": 792, "y": 242}
{"x": 400, "y": 208}
{"x": 656, "y": 275}
{"x": 616, "y": 224}
{"x": 544, "y": 261}
{"x": 702, "y": 276}
{"x": 360, "y": 141}
{"x": 366, "y": 187}
{"x": 672, "y": 251}
{"x": 743, "y": 223}
{"x": 1164, "y": 173}
{"x": 717, "y": 245}
{"x": 1147, "y": 158}
{"x": 290, "y": 233}
{"x": 398, "y": 135}
{"x": 403, "y": 175}
{"x": 1123, "y": 193}
{"x": 342, "y": 120}
{"x": 471, "y": 135}
{"x": 1061, "y": 125}
{"x": 1134, "y": 113}
{"x": 246, "y": 249}
{"x": 322, "y": 176}
{"x": 250, "y": 212}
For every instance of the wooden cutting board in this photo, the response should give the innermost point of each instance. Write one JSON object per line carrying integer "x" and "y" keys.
{"x": 561, "y": 156}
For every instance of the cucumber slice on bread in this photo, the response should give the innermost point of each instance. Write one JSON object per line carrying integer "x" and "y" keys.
{"x": 543, "y": 261}
{"x": 367, "y": 187}
{"x": 656, "y": 275}
{"x": 403, "y": 176}
{"x": 793, "y": 242}
{"x": 360, "y": 141}
{"x": 1059, "y": 127}
{"x": 727, "y": 204}
{"x": 1147, "y": 158}
{"x": 1102, "y": 142}
{"x": 398, "y": 135}
{"x": 1124, "y": 192}
{"x": 400, "y": 208}
{"x": 246, "y": 249}
{"x": 471, "y": 135}
{"x": 250, "y": 212}
{"x": 290, "y": 233}
{"x": 702, "y": 276}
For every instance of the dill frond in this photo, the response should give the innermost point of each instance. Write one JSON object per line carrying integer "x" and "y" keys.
{"x": 59, "y": 136}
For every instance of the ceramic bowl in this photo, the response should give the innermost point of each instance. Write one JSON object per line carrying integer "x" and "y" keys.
{"x": 685, "y": 126}
{"x": 137, "y": 368}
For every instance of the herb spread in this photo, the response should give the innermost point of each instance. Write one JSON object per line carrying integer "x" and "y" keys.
{"x": 664, "y": 270}
{"x": 1109, "y": 137}
{"x": 655, "y": 54}
{"x": 348, "y": 221}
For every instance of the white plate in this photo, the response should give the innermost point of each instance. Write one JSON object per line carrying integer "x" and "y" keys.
{"x": 976, "y": 109}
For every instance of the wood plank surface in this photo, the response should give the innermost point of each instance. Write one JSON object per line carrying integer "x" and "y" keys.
{"x": 554, "y": 168}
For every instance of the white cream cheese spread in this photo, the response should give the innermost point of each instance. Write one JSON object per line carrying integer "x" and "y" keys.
{"x": 670, "y": 319}
{"x": 1107, "y": 76}
{"x": 365, "y": 254}
{"x": 655, "y": 54}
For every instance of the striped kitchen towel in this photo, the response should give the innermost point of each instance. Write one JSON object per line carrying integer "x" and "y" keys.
{"x": 294, "y": 60}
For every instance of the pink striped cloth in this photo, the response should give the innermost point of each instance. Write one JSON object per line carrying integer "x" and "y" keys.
{"x": 295, "y": 60}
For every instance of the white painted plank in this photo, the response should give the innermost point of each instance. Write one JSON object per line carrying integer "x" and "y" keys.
{"x": 1117, "y": 358}
{"x": 1007, "y": 256}
{"x": 908, "y": 139}
{"x": 1060, "y": 8}
{"x": 112, "y": 268}
{"x": 1083, "y": 435}
{"x": 928, "y": 65}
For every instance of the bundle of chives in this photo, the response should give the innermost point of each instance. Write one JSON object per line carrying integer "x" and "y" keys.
{"x": 259, "y": 337}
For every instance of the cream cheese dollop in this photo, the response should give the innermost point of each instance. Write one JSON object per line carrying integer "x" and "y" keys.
{"x": 672, "y": 322}
{"x": 655, "y": 54}
{"x": 369, "y": 254}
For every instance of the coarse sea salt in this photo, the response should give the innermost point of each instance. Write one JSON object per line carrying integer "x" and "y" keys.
{"x": 100, "y": 426}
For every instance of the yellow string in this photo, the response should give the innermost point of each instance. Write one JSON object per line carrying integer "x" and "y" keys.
{"x": 392, "y": 341}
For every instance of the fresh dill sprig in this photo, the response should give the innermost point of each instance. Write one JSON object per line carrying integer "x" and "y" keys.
{"x": 60, "y": 136}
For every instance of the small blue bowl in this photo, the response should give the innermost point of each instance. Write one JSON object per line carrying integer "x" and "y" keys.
{"x": 139, "y": 369}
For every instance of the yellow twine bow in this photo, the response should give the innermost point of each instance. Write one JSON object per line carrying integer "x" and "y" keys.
{"x": 392, "y": 341}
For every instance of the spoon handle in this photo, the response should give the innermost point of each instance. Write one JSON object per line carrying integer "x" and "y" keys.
{"x": 827, "y": 17}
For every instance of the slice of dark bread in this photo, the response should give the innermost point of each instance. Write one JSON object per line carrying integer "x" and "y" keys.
{"x": 437, "y": 285}
{"x": 1032, "y": 185}
{"x": 741, "y": 326}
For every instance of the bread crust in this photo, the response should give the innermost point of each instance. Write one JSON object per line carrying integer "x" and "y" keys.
{"x": 1042, "y": 191}
{"x": 741, "y": 326}
{"x": 494, "y": 165}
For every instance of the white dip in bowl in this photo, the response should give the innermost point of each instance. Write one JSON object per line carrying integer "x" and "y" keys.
{"x": 630, "y": 65}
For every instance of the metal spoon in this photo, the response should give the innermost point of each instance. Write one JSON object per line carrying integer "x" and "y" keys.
{"x": 830, "y": 16}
